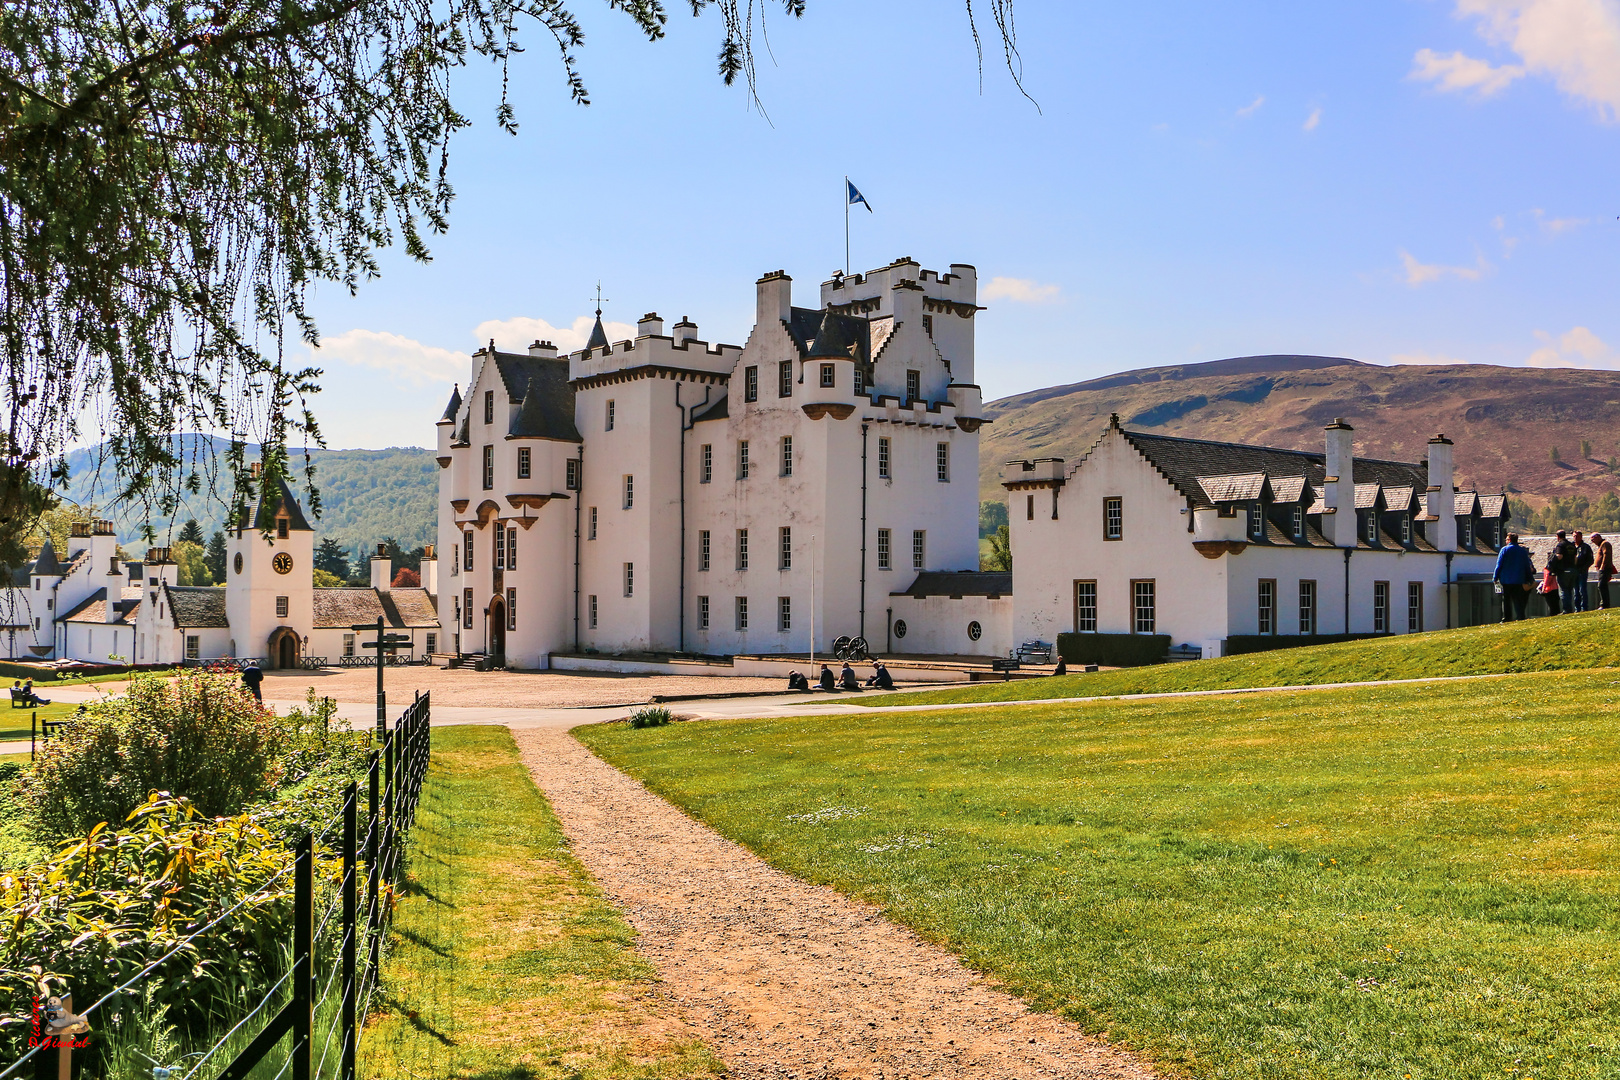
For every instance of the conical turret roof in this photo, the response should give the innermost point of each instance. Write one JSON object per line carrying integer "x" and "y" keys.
{"x": 832, "y": 340}
{"x": 599, "y": 338}
{"x": 454, "y": 407}
{"x": 46, "y": 565}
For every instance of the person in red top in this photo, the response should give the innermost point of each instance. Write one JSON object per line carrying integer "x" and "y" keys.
{"x": 1604, "y": 565}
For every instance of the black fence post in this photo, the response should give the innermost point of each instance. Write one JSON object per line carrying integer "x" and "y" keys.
{"x": 351, "y": 929}
{"x": 303, "y": 978}
{"x": 373, "y": 847}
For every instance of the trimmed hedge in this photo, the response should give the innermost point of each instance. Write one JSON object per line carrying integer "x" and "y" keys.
{"x": 1114, "y": 650}
{"x": 1241, "y": 644}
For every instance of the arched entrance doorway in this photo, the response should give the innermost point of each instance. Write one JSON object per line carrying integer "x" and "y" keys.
{"x": 283, "y": 648}
{"x": 497, "y": 630}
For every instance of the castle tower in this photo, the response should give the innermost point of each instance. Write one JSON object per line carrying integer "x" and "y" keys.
{"x": 269, "y": 559}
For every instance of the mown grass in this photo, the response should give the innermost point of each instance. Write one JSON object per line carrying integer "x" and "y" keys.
{"x": 1566, "y": 643}
{"x": 1402, "y": 882}
{"x": 507, "y": 962}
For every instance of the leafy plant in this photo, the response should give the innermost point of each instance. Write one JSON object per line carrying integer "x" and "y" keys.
{"x": 201, "y": 735}
{"x": 651, "y": 716}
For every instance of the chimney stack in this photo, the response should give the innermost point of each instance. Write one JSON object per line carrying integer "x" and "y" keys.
{"x": 1339, "y": 488}
{"x": 381, "y": 576}
{"x": 430, "y": 570}
{"x": 542, "y": 348}
{"x": 1441, "y": 496}
{"x": 775, "y": 298}
{"x": 685, "y": 330}
{"x": 649, "y": 325}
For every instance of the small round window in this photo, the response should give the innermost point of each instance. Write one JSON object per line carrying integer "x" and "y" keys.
{"x": 238, "y": 562}
{"x": 975, "y": 631}
{"x": 899, "y": 628}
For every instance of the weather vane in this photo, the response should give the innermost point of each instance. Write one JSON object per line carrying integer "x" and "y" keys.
{"x": 599, "y": 300}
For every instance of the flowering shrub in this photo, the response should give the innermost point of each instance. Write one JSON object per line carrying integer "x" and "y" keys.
{"x": 200, "y": 735}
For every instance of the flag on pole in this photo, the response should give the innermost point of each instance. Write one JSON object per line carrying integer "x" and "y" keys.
{"x": 855, "y": 196}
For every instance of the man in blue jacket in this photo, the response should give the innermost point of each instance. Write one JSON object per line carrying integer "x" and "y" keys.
{"x": 1516, "y": 574}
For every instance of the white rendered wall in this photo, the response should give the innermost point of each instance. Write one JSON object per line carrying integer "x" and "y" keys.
{"x": 250, "y": 595}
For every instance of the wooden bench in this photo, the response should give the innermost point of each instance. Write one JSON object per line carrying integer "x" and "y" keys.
{"x": 24, "y": 699}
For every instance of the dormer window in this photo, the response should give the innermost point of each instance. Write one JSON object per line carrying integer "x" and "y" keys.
{"x": 1372, "y": 526}
{"x": 1299, "y": 522}
{"x": 1466, "y": 525}
{"x": 1406, "y": 528}
{"x": 1257, "y": 520}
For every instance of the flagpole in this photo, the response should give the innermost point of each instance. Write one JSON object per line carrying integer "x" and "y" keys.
{"x": 846, "y": 226}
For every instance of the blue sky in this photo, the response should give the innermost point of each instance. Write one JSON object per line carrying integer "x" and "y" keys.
{"x": 1399, "y": 181}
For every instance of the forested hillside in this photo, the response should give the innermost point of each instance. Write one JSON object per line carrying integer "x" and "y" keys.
{"x": 366, "y": 496}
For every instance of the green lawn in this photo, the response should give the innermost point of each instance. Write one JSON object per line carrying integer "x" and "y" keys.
{"x": 507, "y": 962}
{"x": 1567, "y": 643}
{"x": 1402, "y": 882}
{"x": 14, "y": 722}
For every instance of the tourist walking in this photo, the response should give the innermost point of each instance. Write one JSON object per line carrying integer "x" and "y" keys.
{"x": 1583, "y": 564}
{"x": 251, "y": 678}
{"x": 1603, "y": 563}
{"x": 1515, "y": 575}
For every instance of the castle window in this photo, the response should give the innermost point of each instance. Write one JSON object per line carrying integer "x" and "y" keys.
{"x": 629, "y": 579}
{"x": 1372, "y": 526}
{"x": 942, "y": 462}
{"x": 787, "y": 455}
{"x": 860, "y": 380}
{"x": 591, "y": 535}
{"x": 1465, "y": 534}
{"x": 629, "y": 491}
{"x": 489, "y": 406}
{"x": 489, "y": 468}
{"x": 467, "y": 608}
{"x": 432, "y": 644}
{"x": 883, "y": 550}
{"x": 703, "y": 549}
{"x": 1267, "y": 622}
{"x": 348, "y": 644}
{"x": 829, "y": 375}
{"x": 1257, "y": 520}
{"x": 1085, "y": 607}
{"x": 703, "y": 613}
{"x": 1144, "y": 607}
{"x": 572, "y": 475}
{"x": 742, "y": 549}
{"x": 511, "y": 609}
{"x": 1114, "y": 518}
{"x": 919, "y": 540}
{"x": 511, "y": 549}
{"x": 1307, "y": 608}
{"x": 1299, "y": 521}
{"x": 525, "y": 463}
{"x": 750, "y": 383}
{"x": 706, "y": 463}
{"x": 193, "y": 647}
{"x": 468, "y": 548}
{"x": 784, "y": 560}
{"x": 1380, "y": 607}
{"x": 1406, "y": 528}
{"x": 1029, "y": 508}
{"x": 592, "y": 606}
{"x": 1414, "y": 607}
{"x": 784, "y": 379}
{"x": 500, "y": 548}
{"x": 608, "y": 423}
{"x": 784, "y": 613}
{"x": 883, "y": 458}
{"x": 913, "y": 386}
{"x": 281, "y": 607}
{"x": 928, "y": 325}
{"x": 742, "y": 613}
{"x": 742, "y": 459}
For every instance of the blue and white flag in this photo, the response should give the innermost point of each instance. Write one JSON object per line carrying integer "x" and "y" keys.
{"x": 855, "y": 196}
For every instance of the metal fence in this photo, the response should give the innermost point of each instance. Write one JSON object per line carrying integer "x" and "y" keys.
{"x": 371, "y": 839}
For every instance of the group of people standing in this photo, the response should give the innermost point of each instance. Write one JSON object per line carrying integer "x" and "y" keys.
{"x": 1562, "y": 582}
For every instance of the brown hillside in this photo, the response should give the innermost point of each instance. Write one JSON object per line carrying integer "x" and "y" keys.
{"x": 1505, "y": 421}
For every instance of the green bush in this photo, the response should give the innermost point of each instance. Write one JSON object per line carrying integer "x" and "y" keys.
{"x": 651, "y": 716}
{"x": 200, "y": 735}
{"x": 1114, "y": 650}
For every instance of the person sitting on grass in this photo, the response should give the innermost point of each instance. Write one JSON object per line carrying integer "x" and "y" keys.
{"x": 797, "y": 681}
{"x": 827, "y": 682}
{"x": 847, "y": 679}
{"x": 880, "y": 677}
{"x": 1062, "y": 667}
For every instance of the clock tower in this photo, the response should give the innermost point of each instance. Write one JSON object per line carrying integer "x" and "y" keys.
{"x": 269, "y": 585}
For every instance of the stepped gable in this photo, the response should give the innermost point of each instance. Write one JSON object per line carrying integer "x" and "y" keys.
{"x": 1184, "y": 461}
{"x": 991, "y": 583}
{"x": 813, "y": 330}
{"x": 196, "y": 605}
{"x": 46, "y": 565}
{"x": 272, "y": 500}
{"x": 541, "y": 384}
{"x": 401, "y": 609}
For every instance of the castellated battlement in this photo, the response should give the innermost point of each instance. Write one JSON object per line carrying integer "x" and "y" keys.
{"x": 683, "y": 350}
{"x": 959, "y": 286}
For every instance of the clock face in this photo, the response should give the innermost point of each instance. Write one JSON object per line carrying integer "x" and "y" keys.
{"x": 282, "y": 563}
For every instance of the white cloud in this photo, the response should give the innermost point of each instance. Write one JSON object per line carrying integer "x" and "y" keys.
{"x": 1558, "y": 225}
{"x": 1456, "y": 72}
{"x": 405, "y": 360}
{"x": 515, "y": 335}
{"x": 1020, "y": 290}
{"x": 1578, "y": 348}
{"x": 1314, "y": 119}
{"x": 1425, "y": 358}
{"x": 1576, "y": 43}
{"x": 1417, "y": 273}
{"x": 1252, "y": 107}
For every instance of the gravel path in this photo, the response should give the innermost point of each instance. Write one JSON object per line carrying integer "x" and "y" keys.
{"x": 788, "y": 979}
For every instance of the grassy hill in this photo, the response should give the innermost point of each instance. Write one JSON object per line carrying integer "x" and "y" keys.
{"x": 1565, "y": 643}
{"x": 367, "y": 495}
{"x": 1506, "y": 421}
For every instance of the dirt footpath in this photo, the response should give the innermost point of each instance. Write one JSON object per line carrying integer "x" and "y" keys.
{"x": 502, "y": 689}
{"x": 784, "y": 978}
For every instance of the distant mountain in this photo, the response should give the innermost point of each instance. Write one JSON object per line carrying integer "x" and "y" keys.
{"x": 1506, "y": 422}
{"x": 366, "y": 495}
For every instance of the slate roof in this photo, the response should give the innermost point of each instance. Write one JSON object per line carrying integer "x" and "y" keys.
{"x": 598, "y": 339}
{"x": 401, "y": 609}
{"x": 1367, "y": 496}
{"x": 271, "y": 501}
{"x": 454, "y": 407}
{"x": 1242, "y": 486}
{"x": 93, "y": 608}
{"x": 46, "y": 565}
{"x": 1183, "y": 461}
{"x": 993, "y": 583}
{"x": 540, "y": 385}
{"x": 1493, "y": 506}
{"x": 716, "y": 410}
{"x": 1398, "y": 498}
{"x": 196, "y": 605}
{"x": 808, "y": 325}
